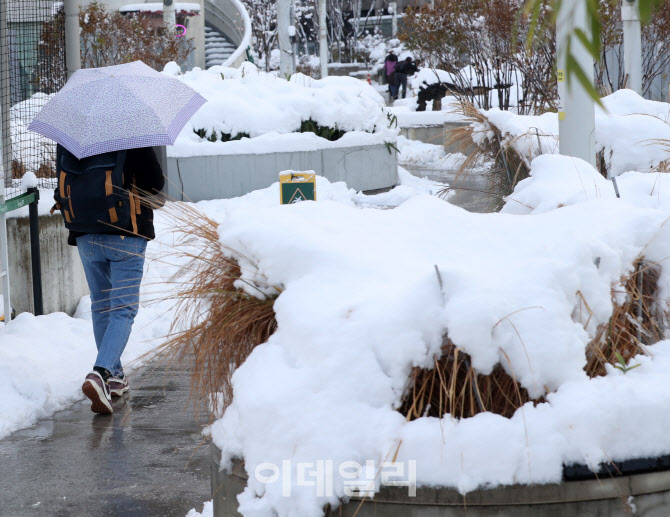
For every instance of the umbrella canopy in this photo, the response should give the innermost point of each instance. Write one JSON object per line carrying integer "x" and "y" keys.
{"x": 117, "y": 107}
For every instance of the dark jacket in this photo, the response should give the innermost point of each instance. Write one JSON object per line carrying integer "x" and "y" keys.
{"x": 406, "y": 67}
{"x": 142, "y": 166}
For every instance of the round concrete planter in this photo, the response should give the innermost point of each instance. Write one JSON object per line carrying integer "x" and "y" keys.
{"x": 363, "y": 168}
{"x": 604, "y": 497}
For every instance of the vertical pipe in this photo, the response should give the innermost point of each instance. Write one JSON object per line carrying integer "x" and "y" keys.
{"x": 4, "y": 270}
{"x": 393, "y": 9}
{"x": 285, "y": 52}
{"x": 632, "y": 44}
{"x": 323, "y": 39}
{"x": 169, "y": 16}
{"x": 576, "y": 111}
{"x": 72, "y": 39}
{"x": 36, "y": 262}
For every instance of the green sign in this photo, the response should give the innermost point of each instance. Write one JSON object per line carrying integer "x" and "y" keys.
{"x": 297, "y": 186}
{"x": 17, "y": 202}
{"x": 294, "y": 192}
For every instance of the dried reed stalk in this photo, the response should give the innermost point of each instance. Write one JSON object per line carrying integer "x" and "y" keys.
{"x": 452, "y": 386}
{"x": 635, "y": 323}
{"x": 217, "y": 324}
{"x": 510, "y": 167}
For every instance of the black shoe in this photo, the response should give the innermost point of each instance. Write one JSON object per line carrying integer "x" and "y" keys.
{"x": 97, "y": 390}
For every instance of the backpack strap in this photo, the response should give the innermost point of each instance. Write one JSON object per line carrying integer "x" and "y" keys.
{"x": 135, "y": 208}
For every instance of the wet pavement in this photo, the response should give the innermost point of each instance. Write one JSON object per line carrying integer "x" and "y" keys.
{"x": 469, "y": 189}
{"x": 147, "y": 459}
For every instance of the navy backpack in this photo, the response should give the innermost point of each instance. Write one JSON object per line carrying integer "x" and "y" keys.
{"x": 92, "y": 194}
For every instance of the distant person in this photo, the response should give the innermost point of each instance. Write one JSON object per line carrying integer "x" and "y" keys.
{"x": 402, "y": 70}
{"x": 389, "y": 69}
{"x": 102, "y": 199}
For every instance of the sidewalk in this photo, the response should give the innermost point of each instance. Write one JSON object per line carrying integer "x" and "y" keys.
{"x": 146, "y": 460}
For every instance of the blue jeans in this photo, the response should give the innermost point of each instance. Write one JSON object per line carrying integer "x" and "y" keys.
{"x": 113, "y": 265}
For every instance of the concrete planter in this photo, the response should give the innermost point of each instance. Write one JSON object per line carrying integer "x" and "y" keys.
{"x": 435, "y": 134}
{"x": 606, "y": 497}
{"x": 363, "y": 168}
{"x": 63, "y": 278}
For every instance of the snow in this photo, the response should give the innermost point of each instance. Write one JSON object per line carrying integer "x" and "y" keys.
{"x": 39, "y": 376}
{"x": 428, "y": 156}
{"x": 207, "y": 511}
{"x": 510, "y": 285}
{"x": 270, "y": 110}
{"x": 157, "y": 7}
{"x": 43, "y": 360}
{"x": 407, "y": 115}
{"x": 627, "y": 132}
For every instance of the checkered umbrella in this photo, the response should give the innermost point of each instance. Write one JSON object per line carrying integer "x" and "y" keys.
{"x": 117, "y": 107}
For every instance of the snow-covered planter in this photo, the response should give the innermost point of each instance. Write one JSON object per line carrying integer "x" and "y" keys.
{"x": 247, "y": 101}
{"x": 486, "y": 350}
{"x": 255, "y": 125}
{"x": 630, "y": 134}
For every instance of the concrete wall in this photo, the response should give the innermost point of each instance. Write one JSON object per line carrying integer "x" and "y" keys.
{"x": 435, "y": 134}
{"x": 63, "y": 279}
{"x": 597, "y": 497}
{"x": 196, "y": 178}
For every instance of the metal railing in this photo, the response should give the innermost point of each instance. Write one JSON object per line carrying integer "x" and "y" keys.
{"x": 230, "y": 17}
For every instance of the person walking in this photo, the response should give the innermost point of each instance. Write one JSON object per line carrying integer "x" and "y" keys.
{"x": 402, "y": 70}
{"x": 389, "y": 69}
{"x": 103, "y": 121}
{"x": 112, "y": 252}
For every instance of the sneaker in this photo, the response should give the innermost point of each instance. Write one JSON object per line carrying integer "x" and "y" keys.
{"x": 97, "y": 391}
{"x": 118, "y": 385}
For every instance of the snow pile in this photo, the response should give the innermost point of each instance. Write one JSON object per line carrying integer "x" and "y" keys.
{"x": 362, "y": 305}
{"x": 43, "y": 360}
{"x": 247, "y": 101}
{"x": 471, "y": 77}
{"x": 407, "y": 116}
{"x": 29, "y": 148}
{"x": 428, "y": 156}
{"x": 626, "y": 133}
{"x": 556, "y": 181}
{"x": 207, "y": 511}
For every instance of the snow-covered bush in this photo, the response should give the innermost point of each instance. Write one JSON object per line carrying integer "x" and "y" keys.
{"x": 628, "y": 135}
{"x": 248, "y": 103}
{"x": 518, "y": 300}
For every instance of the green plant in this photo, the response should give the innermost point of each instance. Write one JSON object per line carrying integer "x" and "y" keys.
{"x": 329, "y": 133}
{"x": 392, "y": 119}
{"x": 390, "y": 147}
{"x": 227, "y": 137}
{"x": 622, "y": 364}
{"x": 200, "y": 132}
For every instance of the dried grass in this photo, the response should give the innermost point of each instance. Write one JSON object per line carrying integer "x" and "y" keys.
{"x": 510, "y": 167}
{"x": 453, "y": 386}
{"x": 634, "y": 324}
{"x": 217, "y": 324}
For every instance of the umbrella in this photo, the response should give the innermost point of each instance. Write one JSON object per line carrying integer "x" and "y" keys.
{"x": 117, "y": 107}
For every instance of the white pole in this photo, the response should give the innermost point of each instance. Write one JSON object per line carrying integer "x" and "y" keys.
{"x": 72, "y": 39}
{"x": 169, "y": 16}
{"x": 576, "y": 111}
{"x": 393, "y": 8}
{"x": 632, "y": 44}
{"x": 323, "y": 39}
{"x": 283, "y": 24}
